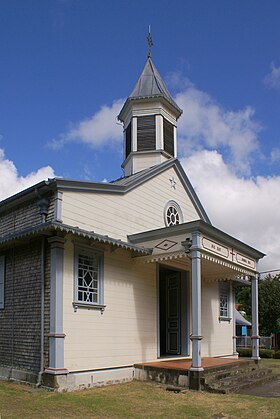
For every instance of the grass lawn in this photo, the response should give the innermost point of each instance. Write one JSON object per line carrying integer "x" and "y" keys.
{"x": 130, "y": 400}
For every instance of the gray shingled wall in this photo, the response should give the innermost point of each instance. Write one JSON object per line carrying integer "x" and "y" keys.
{"x": 20, "y": 320}
{"x": 24, "y": 216}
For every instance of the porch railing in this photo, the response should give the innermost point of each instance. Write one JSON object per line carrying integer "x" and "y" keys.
{"x": 245, "y": 342}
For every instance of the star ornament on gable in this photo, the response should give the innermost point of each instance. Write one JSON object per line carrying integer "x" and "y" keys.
{"x": 173, "y": 182}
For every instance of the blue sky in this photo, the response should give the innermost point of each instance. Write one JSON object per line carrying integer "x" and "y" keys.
{"x": 67, "y": 65}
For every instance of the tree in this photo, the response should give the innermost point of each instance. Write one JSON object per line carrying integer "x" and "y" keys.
{"x": 269, "y": 304}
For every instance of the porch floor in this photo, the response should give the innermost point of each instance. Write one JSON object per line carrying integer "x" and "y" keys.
{"x": 185, "y": 364}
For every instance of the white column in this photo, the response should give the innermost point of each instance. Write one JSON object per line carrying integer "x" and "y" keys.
{"x": 234, "y": 352}
{"x": 196, "y": 303}
{"x": 56, "y": 335}
{"x": 255, "y": 317}
{"x": 159, "y": 132}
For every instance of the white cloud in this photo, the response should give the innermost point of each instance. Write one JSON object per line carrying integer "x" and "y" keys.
{"x": 98, "y": 131}
{"x": 12, "y": 183}
{"x": 275, "y": 155}
{"x": 246, "y": 208}
{"x": 272, "y": 79}
{"x": 206, "y": 124}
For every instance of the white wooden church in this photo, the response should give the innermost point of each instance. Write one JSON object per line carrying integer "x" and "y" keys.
{"x": 98, "y": 277}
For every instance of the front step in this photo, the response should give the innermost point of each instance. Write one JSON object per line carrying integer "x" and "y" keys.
{"x": 231, "y": 379}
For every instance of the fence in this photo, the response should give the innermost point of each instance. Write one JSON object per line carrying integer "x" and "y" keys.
{"x": 245, "y": 342}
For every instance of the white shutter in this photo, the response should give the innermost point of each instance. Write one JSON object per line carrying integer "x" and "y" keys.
{"x": 2, "y": 280}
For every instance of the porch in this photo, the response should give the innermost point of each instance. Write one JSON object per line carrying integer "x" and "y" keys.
{"x": 220, "y": 375}
{"x": 212, "y": 264}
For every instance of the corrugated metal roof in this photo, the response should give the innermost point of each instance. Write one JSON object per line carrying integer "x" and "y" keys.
{"x": 59, "y": 227}
{"x": 240, "y": 320}
{"x": 151, "y": 85}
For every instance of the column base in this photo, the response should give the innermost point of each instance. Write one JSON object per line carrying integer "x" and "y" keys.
{"x": 195, "y": 376}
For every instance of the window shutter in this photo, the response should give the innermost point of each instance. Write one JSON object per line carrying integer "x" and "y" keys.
{"x": 128, "y": 140}
{"x": 168, "y": 133}
{"x": 2, "y": 278}
{"x": 146, "y": 133}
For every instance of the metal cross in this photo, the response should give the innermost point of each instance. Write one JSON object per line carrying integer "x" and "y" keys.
{"x": 150, "y": 43}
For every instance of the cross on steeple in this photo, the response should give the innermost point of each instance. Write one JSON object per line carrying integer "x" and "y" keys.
{"x": 150, "y": 43}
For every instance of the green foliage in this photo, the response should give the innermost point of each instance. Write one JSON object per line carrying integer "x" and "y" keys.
{"x": 277, "y": 355}
{"x": 266, "y": 353}
{"x": 246, "y": 352}
{"x": 269, "y": 304}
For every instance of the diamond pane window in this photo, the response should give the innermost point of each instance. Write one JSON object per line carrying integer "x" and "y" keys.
{"x": 224, "y": 300}
{"x": 89, "y": 281}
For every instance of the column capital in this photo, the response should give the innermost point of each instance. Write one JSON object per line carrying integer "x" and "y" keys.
{"x": 56, "y": 241}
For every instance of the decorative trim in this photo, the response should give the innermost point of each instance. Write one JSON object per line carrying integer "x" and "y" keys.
{"x": 56, "y": 335}
{"x": 225, "y": 319}
{"x": 78, "y": 304}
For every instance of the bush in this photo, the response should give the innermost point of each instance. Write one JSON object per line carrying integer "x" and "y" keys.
{"x": 277, "y": 355}
{"x": 245, "y": 352}
{"x": 266, "y": 353}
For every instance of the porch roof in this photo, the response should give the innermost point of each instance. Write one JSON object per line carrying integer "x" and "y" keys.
{"x": 222, "y": 256}
{"x": 196, "y": 226}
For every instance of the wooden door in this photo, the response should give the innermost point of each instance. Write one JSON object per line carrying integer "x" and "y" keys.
{"x": 173, "y": 313}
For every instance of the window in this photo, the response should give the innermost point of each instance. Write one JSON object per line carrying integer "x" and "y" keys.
{"x": 172, "y": 214}
{"x": 224, "y": 291}
{"x": 2, "y": 280}
{"x": 88, "y": 278}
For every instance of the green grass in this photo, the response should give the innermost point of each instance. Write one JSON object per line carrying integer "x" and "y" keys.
{"x": 130, "y": 400}
{"x": 274, "y": 364}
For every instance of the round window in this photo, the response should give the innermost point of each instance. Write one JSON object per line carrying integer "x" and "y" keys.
{"x": 172, "y": 214}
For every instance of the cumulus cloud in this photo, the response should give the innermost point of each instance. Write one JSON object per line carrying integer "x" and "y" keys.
{"x": 272, "y": 79}
{"x": 275, "y": 154}
{"x": 98, "y": 131}
{"x": 12, "y": 183}
{"x": 246, "y": 208}
{"x": 206, "y": 124}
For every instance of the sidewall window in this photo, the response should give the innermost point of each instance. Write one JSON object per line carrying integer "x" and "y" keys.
{"x": 88, "y": 280}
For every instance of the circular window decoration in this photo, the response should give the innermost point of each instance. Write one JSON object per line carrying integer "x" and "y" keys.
{"x": 172, "y": 214}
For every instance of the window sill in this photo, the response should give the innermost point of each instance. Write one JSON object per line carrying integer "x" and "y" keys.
{"x": 225, "y": 319}
{"x": 79, "y": 304}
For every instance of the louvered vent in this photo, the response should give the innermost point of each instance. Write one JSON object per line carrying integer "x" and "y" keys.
{"x": 146, "y": 133}
{"x": 128, "y": 140}
{"x": 168, "y": 133}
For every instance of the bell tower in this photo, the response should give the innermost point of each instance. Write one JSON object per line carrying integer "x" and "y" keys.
{"x": 149, "y": 117}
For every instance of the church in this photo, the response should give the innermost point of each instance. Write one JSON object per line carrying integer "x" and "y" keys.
{"x": 97, "y": 278}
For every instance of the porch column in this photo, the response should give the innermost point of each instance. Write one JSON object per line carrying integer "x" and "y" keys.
{"x": 56, "y": 335}
{"x": 196, "y": 302}
{"x": 255, "y": 319}
{"x": 235, "y": 353}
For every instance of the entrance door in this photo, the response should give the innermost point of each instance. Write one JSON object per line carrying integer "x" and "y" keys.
{"x": 173, "y": 310}
{"x": 170, "y": 312}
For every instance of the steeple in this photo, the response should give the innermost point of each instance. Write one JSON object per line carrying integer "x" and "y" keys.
{"x": 149, "y": 118}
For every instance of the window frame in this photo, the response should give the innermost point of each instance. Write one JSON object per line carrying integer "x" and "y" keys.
{"x": 90, "y": 252}
{"x": 177, "y": 207}
{"x": 225, "y": 290}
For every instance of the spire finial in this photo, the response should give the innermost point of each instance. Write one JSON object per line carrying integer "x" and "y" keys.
{"x": 150, "y": 43}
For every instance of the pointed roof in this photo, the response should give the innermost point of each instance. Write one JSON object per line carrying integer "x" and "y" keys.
{"x": 150, "y": 85}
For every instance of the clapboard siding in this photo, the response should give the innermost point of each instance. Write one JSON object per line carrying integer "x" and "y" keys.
{"x": 118, "y": 215}
{"x": 126, "y": 332}
{"x": 217, "y": 336}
